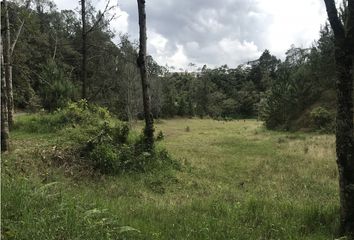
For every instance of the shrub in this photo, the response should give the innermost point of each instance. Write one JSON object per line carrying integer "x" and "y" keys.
{"x": 96, "y": 139}
{"x": 74, "y": 113}
{"x": 108, "y": 158}
{"x": 120, "y": 133}
{"x": 322, "y": 119}
{"x": 104, "y": 157}
{"x": 81, "y": 112}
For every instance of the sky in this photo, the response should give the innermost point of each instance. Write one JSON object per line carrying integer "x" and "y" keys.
{"x": 217, "y": 32}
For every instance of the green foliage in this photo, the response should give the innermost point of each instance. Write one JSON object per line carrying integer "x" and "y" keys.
{"x": 322, "y": 119}
{"x": 73, "y": 114}
{"x": 160, "y": 136}
{"x": 56, "y": 89}
{"x": 275, "y": 107}
{"x": 182, "y": 108}
{"x": 97, "y": 139}
{"x": 109, "y": 156}
{"x": 105, "y": 158}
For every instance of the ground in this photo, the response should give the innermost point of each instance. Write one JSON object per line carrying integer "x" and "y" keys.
{"x": 238, "y": 181}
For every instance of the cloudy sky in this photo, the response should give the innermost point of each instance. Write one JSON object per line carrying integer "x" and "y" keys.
{"x": 216, "y": 32}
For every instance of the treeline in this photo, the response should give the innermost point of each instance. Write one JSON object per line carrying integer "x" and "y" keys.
{"x": 298, "y": 92}
{"x": 47, "y": 74}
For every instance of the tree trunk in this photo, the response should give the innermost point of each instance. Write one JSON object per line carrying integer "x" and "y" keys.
{"x": 4, "y": 112}
{"x": 344, "y": 141}
{"x": 83, "y": 50}
{"x": 8, "y": 67}
{"x": 344, "y": 122}
{"x": 149, "y": 121}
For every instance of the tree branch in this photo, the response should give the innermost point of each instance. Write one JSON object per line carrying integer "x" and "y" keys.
{"x": 100, "y": 18}
{"x": 17, "y": 36}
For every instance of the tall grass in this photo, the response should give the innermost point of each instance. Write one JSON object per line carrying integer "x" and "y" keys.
{"x": 237, "y": 181}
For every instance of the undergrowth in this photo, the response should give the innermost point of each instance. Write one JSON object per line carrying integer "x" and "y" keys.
{"x": 90, "y": 136}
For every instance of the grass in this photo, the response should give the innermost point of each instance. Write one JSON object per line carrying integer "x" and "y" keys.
{"x": 238, "y": 181}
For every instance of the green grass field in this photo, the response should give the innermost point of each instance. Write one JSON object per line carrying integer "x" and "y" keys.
{"x": 238, "y": 181}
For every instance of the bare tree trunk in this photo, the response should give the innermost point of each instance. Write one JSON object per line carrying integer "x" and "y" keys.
{"x": 84, "y": 50}
{"x": 149, "y": 121}
{"x": 8, "y": 67}
{"x": 344, "y": 55}
{"x": 4, "y": 113}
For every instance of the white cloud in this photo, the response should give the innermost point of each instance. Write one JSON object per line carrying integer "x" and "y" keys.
{"x": 178, "y": 59}
{"x": 293, "y": 22}
{"x": 218, "y": 32}
{"x": 120, "y": 22}
{"x": 235, "y": 51}
{"x": 156, "y": 43}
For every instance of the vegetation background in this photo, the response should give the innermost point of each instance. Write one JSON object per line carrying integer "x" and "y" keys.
{"x": 238, "y": 153}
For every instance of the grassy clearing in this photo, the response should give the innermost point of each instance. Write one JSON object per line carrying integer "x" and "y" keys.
{"x": 238, "y": 181}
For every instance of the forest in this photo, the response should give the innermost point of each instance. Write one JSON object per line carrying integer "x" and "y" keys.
{"x": 101, "y": 141}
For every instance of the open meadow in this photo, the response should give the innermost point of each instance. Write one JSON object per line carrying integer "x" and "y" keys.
{"x": 237, "y": 180}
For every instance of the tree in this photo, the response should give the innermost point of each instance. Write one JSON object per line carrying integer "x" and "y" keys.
{"x": 8, "y": 67}
{"x": 83, "y": 49}
{"x": 344, "y": 58}
{"x": 84, "y": 34}
{"x": 4, "y": 113}
{"x": 149, "y": 121}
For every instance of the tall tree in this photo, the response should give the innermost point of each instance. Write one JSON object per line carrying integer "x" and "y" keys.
{"x": 83, "y": 49}
{"x": 141, "y": 61}
{"x": 85, "y": 31}
{"x": 4, "y": 113}
{"x": 344, "y": 57}
{"x": 8, "y": 66}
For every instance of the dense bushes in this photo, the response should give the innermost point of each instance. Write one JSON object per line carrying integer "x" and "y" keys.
{"x": 113, "y": 150}
{"x": 322, "y": 119}
{"x": 97, "y": 139}
{"x": 72, "y": 115}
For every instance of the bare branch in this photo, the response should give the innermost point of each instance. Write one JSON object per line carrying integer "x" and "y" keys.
{"x": 100, "y": 18}
{"x": 55, "y": 46}
{"x": 18, "y": 33}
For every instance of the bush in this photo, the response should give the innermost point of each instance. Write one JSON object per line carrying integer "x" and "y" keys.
{"x": 105, "y": 158}
{"x": 96, "y": 139}
{"x": 82, "y": 113}
{"x": 73, "y": 114}
{"x": 322, "y": 119}
{"x": 108, "y": 158}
